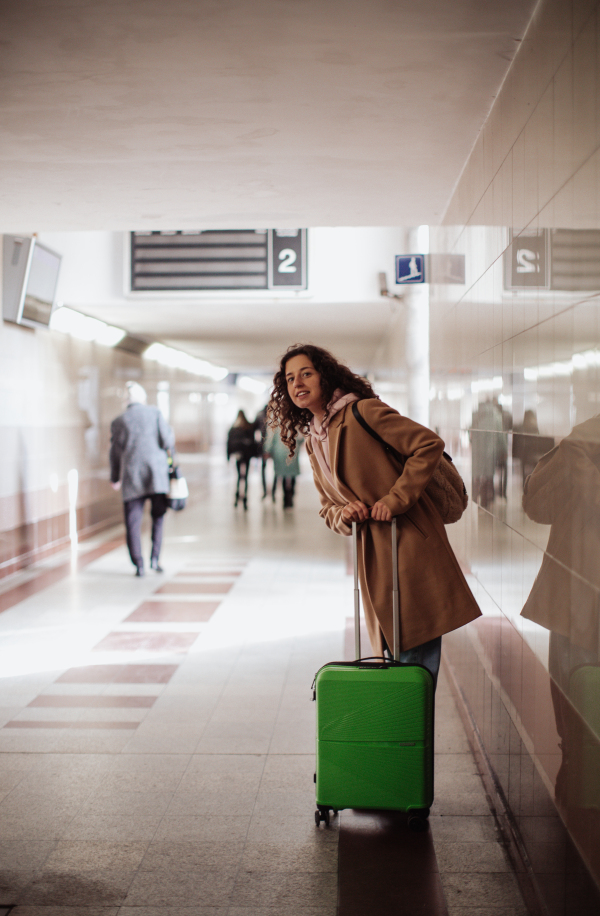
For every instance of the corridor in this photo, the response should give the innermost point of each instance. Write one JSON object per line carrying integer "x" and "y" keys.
{"x": 188, "y": 189}
{"x": 157, "y": 735}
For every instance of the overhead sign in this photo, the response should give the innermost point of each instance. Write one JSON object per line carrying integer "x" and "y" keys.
{"x": 219, "y": 259}
{"x": 445, "y": 269}
{"x": 287, "y": 258}
{"x": 430, "y": 268}
{"x": 410, "y": 269}
{"x": 526, "y": 261}
{"x": 561, "y": 259}
{"x": 575, "y": 259}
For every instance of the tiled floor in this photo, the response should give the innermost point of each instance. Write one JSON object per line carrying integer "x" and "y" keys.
{"x": 156, "y": 739}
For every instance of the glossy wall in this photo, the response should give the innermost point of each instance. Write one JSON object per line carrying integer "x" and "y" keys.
{"x": 515, "y": 357}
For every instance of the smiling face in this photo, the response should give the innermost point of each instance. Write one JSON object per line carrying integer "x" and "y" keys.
{"x": 304, "y": 384}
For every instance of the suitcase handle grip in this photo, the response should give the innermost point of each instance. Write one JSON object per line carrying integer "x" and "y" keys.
{"x": 395, "y": 592}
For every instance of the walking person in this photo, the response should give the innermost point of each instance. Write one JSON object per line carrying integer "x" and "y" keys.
{"x": 285, "y": 468}
{"x": 140, "y": 439}
{"x": 488, "y": 450}
{"x": 358, "y": 480}
{"x": 260, "y": 424}
{"x": 241, "y": 443}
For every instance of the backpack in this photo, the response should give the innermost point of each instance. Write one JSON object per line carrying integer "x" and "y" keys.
{"x": 446, "y": 489}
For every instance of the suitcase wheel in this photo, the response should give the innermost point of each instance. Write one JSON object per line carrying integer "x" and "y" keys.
{"x": 322, "y": 814}
{"x": 417, "y": 820}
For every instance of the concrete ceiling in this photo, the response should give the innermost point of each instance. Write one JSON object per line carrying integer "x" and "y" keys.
{"x": 134, "y": 114}
{"x": 199, "y": 114}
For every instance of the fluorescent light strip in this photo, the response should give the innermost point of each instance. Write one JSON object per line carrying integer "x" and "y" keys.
{"x": 251, "y": 384}
{"x": 71, "y": 322}
{"x": 487, "y": 384}
{"x": 589, "y": 359}
{"x": 177, "y": 359}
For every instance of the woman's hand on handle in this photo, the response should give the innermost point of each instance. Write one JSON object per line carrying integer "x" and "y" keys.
{"x": 355, "y": 512}
{"x": 358, "y": 512}
{"x": 381, "y": 513}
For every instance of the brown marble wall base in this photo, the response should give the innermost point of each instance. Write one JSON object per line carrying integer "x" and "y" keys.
{"x": 21, "y": 547}
{"x": 554, "y": 878}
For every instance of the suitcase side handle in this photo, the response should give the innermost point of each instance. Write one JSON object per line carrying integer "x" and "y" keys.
{"x": 395, "y": 591}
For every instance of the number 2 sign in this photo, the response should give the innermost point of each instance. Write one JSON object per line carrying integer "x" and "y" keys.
{"x": 526, "y": 260}
{"x": 287, "y": 259}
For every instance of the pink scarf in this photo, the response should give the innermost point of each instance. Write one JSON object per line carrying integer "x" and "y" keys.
{"x": 319, "y": 433}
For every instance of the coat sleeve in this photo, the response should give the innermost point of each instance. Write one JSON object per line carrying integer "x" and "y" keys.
{"x": 117, "y": 444}
{"x": 422, "y": 447}
{"x": 565, "y": 478}
{"x": 166, "y": 437}
{"x": 330, "y": 511}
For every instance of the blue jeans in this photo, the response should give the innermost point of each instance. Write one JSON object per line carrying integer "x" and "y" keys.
{"x": 427, "y": 654}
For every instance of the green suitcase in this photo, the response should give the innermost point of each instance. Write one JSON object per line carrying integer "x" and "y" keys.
{"x": 374, "y": 728}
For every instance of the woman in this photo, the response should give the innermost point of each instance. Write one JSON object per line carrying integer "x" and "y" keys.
{"x": 358, "y": 480}
{"x": 285, "y": 468}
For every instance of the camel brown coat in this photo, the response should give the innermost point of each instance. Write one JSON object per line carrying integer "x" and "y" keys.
{"x": 564, "y": 491}
{"x": 434, "y": 595}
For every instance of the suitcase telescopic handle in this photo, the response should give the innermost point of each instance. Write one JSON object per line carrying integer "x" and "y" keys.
{"x": 395, "y": 592}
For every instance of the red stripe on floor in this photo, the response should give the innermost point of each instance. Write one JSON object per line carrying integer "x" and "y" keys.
{"x": 52, "y": 701}
{"x": 118, "y": 674}
{"x": 173, "y": 612}
{"x": 152, "y": 642}
{"x": 23, "y": 723}
{"x": 194, "y": 588}
{"x": 213, "y": 573}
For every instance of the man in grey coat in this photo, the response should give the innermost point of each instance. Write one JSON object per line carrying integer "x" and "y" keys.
{"x": 140, "y": 438}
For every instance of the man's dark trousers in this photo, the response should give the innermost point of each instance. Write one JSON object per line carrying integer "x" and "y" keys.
{"x": 134, "y": 510}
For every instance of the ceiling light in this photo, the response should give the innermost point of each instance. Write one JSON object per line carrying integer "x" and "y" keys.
{"x": 487, "y": 384}
{"x": 586, "y": 360}
{"x": 177, "y": 359}
{"x": 251, "y": 384}
{"x": 69, "y": 321}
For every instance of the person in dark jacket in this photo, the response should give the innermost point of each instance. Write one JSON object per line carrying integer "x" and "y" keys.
{"x": 528, "y": 445}
{"x": 140, "y": 439}
{"x": 242, "y": 444}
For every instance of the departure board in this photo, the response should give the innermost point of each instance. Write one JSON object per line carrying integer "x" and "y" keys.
{"x": 220, "y": 259}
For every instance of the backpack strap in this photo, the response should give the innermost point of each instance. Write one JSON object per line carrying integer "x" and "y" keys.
{"x": 389, "y": 448}
{"x": 368, "y": 429}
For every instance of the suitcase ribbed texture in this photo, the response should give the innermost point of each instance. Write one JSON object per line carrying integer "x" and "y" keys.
{"x": 374, "y": 737}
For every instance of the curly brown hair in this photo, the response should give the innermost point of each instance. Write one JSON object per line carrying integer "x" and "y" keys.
{"x": 281, "y": 410}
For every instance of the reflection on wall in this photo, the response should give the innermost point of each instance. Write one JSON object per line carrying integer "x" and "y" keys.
{"x": 515, "y": 362}
{"x": 88, "y": 398}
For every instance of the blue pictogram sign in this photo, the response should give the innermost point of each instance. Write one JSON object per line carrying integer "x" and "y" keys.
{"x": 410, "y": 268}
